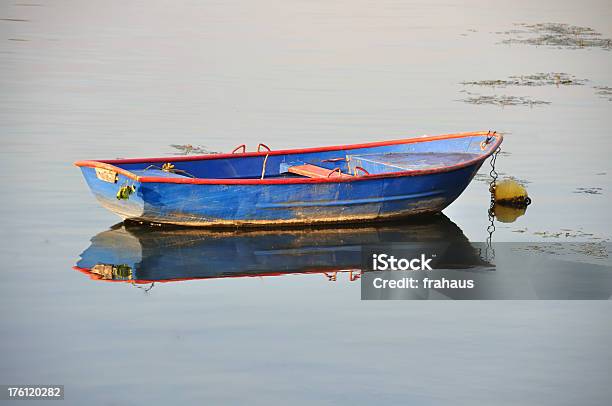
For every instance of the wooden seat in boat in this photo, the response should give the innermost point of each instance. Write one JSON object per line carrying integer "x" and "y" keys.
{"x": 312, "y": 171}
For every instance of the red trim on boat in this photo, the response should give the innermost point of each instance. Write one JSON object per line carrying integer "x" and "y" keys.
{"x": 103, "y": 165}
{"x": 108, "y": 164}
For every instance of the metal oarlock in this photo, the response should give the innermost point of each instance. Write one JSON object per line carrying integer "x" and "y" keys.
{"x": 360, "y": 169}
{"x": 243, "y": 147}
{"x": 262, "y": 145}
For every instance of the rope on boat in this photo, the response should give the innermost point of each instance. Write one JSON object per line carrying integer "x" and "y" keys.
{"x": 126, "y": 190}
{"x": 263, "y": 168}
{"x": 168, "y": 167}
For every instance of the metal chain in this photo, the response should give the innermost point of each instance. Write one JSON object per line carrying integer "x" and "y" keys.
{"x": 493, "y": 173}
{"x": 489, "y": 251}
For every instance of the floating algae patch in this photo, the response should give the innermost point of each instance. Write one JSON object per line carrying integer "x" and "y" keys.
{"x": 522, "y": 182}
{"x": 469, "y": 30}
{"x": 548, "y": 79}
{"x": 557, "y": 79}
{"x": 486, "y": 178}
{"x": 564, "y": 233}
{"x": 503, "y": 100}
{"x": 589, "y": 190}
{"x": 594, "y": 250}
{"x": 187, "y": 149}
{"x": 537, "y": 79}
{"x": 604, "y": 91}
{"x": 557, "y": 35}
{"x": 482, "y": 177}
{"x": 492, "y": 83}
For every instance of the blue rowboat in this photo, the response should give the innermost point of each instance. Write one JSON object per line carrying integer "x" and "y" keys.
{"x": 360, "y": 182}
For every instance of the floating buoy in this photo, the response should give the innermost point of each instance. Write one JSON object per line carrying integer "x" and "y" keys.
{"x": 509, "y": 192}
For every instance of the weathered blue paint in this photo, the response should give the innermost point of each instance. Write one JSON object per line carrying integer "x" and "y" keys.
{"x": 422, "y": 177}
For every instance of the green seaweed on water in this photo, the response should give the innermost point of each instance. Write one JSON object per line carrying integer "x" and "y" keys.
{"x": 557, "y": 35}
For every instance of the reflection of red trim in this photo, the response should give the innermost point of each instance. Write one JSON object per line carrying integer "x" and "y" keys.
{"x": 109, "y": 164}
{"x": 97, "y": 277}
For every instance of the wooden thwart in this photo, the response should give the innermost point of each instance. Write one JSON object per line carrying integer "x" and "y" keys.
{"x": 313, "y": 171}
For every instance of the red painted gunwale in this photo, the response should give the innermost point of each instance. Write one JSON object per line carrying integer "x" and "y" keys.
{"x": 109, "y": 164}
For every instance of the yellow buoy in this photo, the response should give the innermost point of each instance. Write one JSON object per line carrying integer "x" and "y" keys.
{"x": 510, "y": 193}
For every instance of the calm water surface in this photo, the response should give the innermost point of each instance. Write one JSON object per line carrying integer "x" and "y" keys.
{"x": 97, "y": 79}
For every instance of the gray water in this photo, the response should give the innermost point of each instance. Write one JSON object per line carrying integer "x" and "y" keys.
{"x": 102, "y": 79}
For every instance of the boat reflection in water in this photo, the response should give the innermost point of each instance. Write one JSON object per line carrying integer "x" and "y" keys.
{"x": 145, "y": 254}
